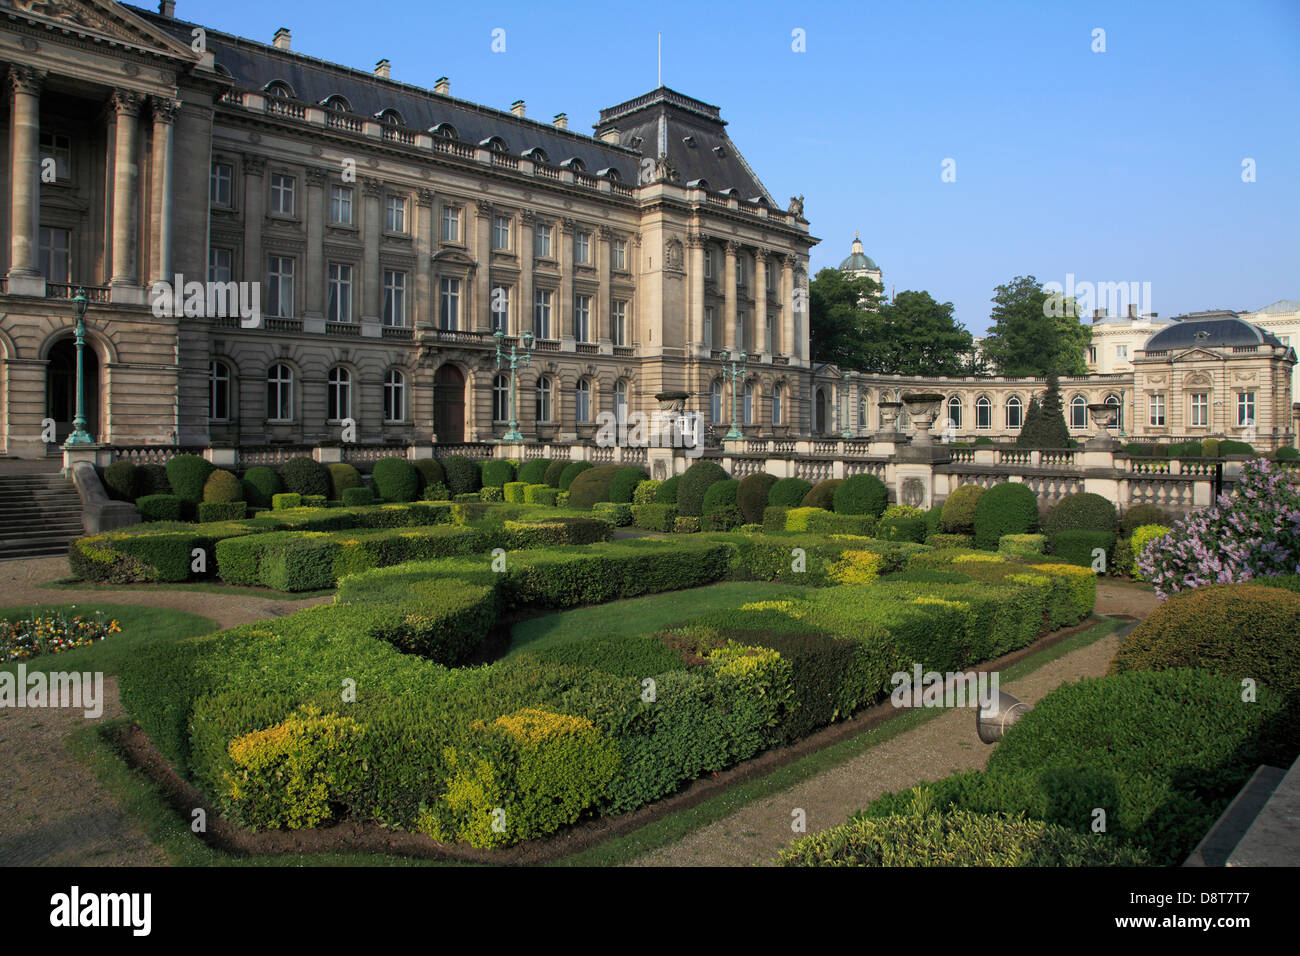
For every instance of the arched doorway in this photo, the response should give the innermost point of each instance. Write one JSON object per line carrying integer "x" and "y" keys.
{"x": 61, "y": 388}
{"x": 449, "y": 405}
{"x": 821, "y": 412}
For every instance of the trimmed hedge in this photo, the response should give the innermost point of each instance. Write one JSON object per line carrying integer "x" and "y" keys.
{"x": 695, "y": 482}
{"x": 221, "y": 511}
{"x": 861, "y": 495}
{"x": 1139, "y": 515}
{"x": 645, "y": 492}
{"x": 286, "y": 500}
{"x": 534, "y": 472}
{"x": 1081, "y": 512}
{"x": 572, "y": 471}
{"x": 431, "y": 473}
{"x": 1079, "y": 547}
{"x": 222, "y": 487}
{"x": 721, "y": 494}
{"x": 619, "y": 512}
{"x": 951, "y": 541}
{"x": 122, "y": 481}
{"x": 260, "y": 484}
{"x": 822, "y": 494}
{"x": 496, "y": 472}
{"x": 788, "y": 493}
{"x": 901, "y": 529}
{"x": 358, "y": 497}
{"x": 1023, "y": 547}
{"x": 462, "y": 474}
{"x": 152, "y": 480}
{"x": 305, "y": 476}
{"x": 187, "y": 474}
{"x": 592, "y": 485}
{"x": 624, "y": 484}
{"x": 342, "y": 477}
{"x": 686, "y": 524}
{"x": 553, "y": 472}
{"x": 666, "y": 493}
{"x": 160, "y": 507}
{"x": 751, "y": 497}
{"x": 655, "y": 517}
{"x": 514, "y": 491}
{"x": 958, "y": 515}
{"x": 395, "y": 479}
{"x": 1006, "y": 508}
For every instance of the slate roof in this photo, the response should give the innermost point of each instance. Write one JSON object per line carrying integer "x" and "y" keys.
{"x": 1282, "y": 305}
{"x": 1219, "y": 330}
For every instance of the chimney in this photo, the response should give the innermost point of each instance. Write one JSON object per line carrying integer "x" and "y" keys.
{"x": 517, "y": 107}
{"x": 168, "y": 9}
{"x": 1098, "y": 314}
{"x": 610, "y": 135}
{"x": 1132, "y": 311}
{"x": 561, "y": 120}
{"x": 282, "y": 37}
{"x": 443, "y": 86}
{"x": 383, "y": 69}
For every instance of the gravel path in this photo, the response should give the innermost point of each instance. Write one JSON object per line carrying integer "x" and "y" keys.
{"x": 53, "y": 810}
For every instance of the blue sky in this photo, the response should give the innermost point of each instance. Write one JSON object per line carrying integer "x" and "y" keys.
{"x": 1119, "y": 166}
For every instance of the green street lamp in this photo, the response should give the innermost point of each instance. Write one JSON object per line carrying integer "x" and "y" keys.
{"x": 515, "y": 358}
{"x": 79, "y": 435}
{"x": 733, "y": 369}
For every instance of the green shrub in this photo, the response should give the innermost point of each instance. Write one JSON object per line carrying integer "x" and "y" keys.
{"x": 1006, "y": 508}
{"x": 667, "y": 492}
{"x": 553, "y": 472}
{"x": 1230, "y": 446}
{"x": 901, "y": 529}
{"x": 1081, "y": 512}
{"x": 645, "y": 492}
{"x": 1139, "y": 515}
{"x": 1023, "y": 547}
{"x": 788, "y": 493}
{"x": 1287, "y": 453}
{"x": 534, "y": 472}
{"x": 1210, "y": 448}
{"x": 543, "y": 495}
{"x": 686, "y": 524}
{"x": 592, "y": 485}
{"x": 861, "y": 495}
{"x": 285, "y": 500}
{"x": 774, "y": 518}
{"x": 982, "y": 442}
{"x": 358, "y": 497}
{"x": 695, "y": 482}
{"x": 342, "y": 477}
{"x": 619, "y": 512}
{"x": 491, "y": 493}
{"x": 462, "y": 474}
{"x": 395, "y": 479}
{"x": 314, "y": 501}
{"x": 941, "y": 540}
{"x": 655, "y": 517}
{"x": 1142, "y": 536}
{"x": 822, "y": 494}
{"x": 260, "y": 484}
{"x": 122, "y": 481}
{"x": 305, "y": 476}
{"x": 751, "y": 497}
{"x": 152, "y": 480}
{"x": 1187, "y": 449}
{"x": 436, "y": 492}
{"x": 958, "y": 515}
{"x": 186, "y": 474}
{"x": 222, "y": 487}
{"x": 221, "y": 511}
{"x": 159, "y": 507}
{"x": 624, "y": 484}
{"x": 722, "y": 518}
{"x": 721, "y": 494}
{"x": 431, "y": 473}
{"x": 562, "y": 500}
{"x": 496, "y": 472}
{"x": 1080, "y": 547}
{"x": 571, "y": 471}
{"x": 532, "y": 491}
{"x": 514, "y": 491}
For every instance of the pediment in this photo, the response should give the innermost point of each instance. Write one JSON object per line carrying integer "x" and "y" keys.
{"x": 1195, "y": 355}
{"x": 98, "y": 19}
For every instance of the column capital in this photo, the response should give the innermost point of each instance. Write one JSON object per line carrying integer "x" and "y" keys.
{"x": 424, "y": 197}
{"x": 791, "y": 261}
{"x": 316, "y": 176}
{"x": 484, "y": 207}
{"x": 372, "y": 186}
{"x": 733, "y": 247}
{"x": 528, "y": 217}
{"x": 696, "y": 240}
{"x": 761, "y": 255}
{"x": 254, "y": 166}
{"x": 126, "y": 102}
{"x": 568, "y": 226}
{"x": 164, "y": 110}
{"x": 607, "y": 234}
{"x": 25, "y": 79}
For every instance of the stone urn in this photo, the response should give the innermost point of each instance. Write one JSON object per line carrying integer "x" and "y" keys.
{"x": 1104, "y": 417}
{"x": 686, "y": 430}
{"x": 923, "y": 408}
{"x": 889, "y": 416}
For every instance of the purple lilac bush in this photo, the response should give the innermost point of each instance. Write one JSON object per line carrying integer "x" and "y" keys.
{"x": 1252, "y": 532}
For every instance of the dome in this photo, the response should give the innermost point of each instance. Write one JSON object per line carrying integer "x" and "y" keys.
{"x": 857, "y": 260}
{"x": 1223, "y": 330}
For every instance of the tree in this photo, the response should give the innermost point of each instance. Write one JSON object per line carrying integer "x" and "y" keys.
{"x": 915, "y": 335}
{"x": 840, "y": 310}
{"x": 1035, "y": 332}
{"x": 1045, "y": 423}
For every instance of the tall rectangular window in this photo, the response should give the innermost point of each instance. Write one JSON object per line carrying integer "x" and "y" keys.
{"x": 220, "y": 184}
{"x": 394, "y": 298}
{"x": 1200, "y": 409}
{"x": 282, "y": 194}
{"x": 451, "y": 224}
{"x": 55, "y": 254}
{"x": 618, "y": 321}
{"x": 1121, "y": 352}
{"x": 279, "y": 286}
{"x": 767, "y": 335}
{"x": 1157, "y": 409}
{"x": 501, "y": 233}
{"x": 582, "y": 248}
{"x": 395, "y": 214}
{"x": 708, "y": 326}
{"x": 339, "y": 308}
{"x": 218, "y": 392}
{"x": 501, "y": 309}
{"x": 542, "y": 313}
{"x": 542, "y": 242}
{"x": 220, "y": 264}
{"x": 449, "y": 304}
{"x": 1245, "y": 408}
{"x": 341, "y": 205}
{"x": 582, "y": 318}
{"x": 708, "y": 263}
{"x": 618, "y": 251}
{"x": 1092, "y": 355}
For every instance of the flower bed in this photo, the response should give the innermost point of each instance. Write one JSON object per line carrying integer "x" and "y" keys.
{"x": 52, "y": 633}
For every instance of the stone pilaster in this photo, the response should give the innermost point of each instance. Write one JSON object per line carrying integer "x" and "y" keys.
{"x": 254, "y": 211}
{"x": 160, "y": 189}
{"x": 729, "y": 305}
{"x": 372, "y": 192}
{"x": 126, "y": 184}
{"x": 314, "y": 214}
{"x": 25, "y": 199}
{"x": 421, "y": 306}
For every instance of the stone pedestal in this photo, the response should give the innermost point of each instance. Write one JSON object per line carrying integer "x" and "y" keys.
{"x": 95, "y": 455}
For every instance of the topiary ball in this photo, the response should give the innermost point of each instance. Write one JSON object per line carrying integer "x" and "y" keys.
{"x": 721, "y": 494}
{"x": 570, "y": 472}
{"x": 861, "y": 495}
{"x": 152, "y": 480}
{"x": 1139, "y": 515}
{"x": 260, "y": 483}
{"x": 752, "y": 495}
{"x": 1081, "y": 512}
{"x": 186, "y": 474}
{"x": 462, "y": 474}
{"x": 342, "y": 477}
{"x": 496, "y": 472}
{"x": 431, "y": 472}
{"x": 958, "y": 514}
{"x": 534, "y": 472}
{"x": 1007, "y": 508}
{"x": 822, "y": 494}
{"x": 222, "y": 487}
{"x": 395, "y": 479}
{"x": 624, "y": 484}
{"x": 592, "y": 485}
{"x": 122, "y": 481}
{"x": 553, "y": 472}
{"x": 305, "y": 476}
{"x": 695, "y": 482}
{"x": 788, "y": 493}
{"x": 666, "y": 493}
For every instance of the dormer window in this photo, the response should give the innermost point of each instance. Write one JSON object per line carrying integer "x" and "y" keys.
{"x": 338, "y": 104}
{"x": 689, "y": 140}
{"x": 391, "y": 117}
{"x": 496, "y": 144}
{"x": 536, "y": 154}
{"x": 635, "y": 141}
{"x": 719, "y": 152}
{"x": 279, "y": 88}
{"x": 445, "y": 131}
{"x": 609, "y": 173}
{"x": 575, "y": 164}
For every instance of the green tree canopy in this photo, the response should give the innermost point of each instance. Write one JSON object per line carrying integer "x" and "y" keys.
{"x": 840, "y": 309}
{"x": 1035, "y": 332}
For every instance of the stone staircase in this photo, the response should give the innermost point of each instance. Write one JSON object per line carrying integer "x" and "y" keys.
{"x": 39, "y": 514}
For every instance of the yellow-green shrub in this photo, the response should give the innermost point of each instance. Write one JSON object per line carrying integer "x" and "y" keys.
{"x": 1082, "y": 584}
{"x": 855, "y": 567}
{"x": 1142, "y": 535}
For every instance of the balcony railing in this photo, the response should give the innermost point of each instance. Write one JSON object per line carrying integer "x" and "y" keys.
{"x": 66, "y": 290}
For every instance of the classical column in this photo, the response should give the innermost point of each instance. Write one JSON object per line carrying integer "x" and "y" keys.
{"x": 126, "y": 183}
{"x": 788, "y": 345}
{"x": 373, "y": 190}
{"x": 695, "y": 329}
{"x": 568, "y": 229}
{"x": 482, "y": 304}
{"x": 25, "y": 202}
{"x": 254, "y": 212}
{"x": 760, "y": 302}
{"x": 602, "y": 309}
{"x": 527, "y": 225}
{"x": 421, "y": 307}
{"x": 314, "y": 213}
{"x": 160, "y": 188}
{"x": 729, "y": 305}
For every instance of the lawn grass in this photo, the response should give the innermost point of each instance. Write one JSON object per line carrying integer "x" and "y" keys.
{"x": 643, "y": 615}
{"x": 141, "y": 626}
{"x": 207, "y": 587}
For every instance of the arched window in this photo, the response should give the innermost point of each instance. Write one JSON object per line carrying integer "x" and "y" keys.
{"x": 1015, "y": 412}
{"x": 577, "y": 165}
{"x": 279, "y": 88}
{"x": 983, "y": 413}
{"x": 862, "y": 414}
{"x": 620, "y": 400}
{"x": 747, "y": 403}
{"x": 1078, "y": 412}
{"x": 394, "y": 396}
{"x": 537, "y": 155}
{"x": 954, "y": 412}
{"x": 501, "y": 398}
{"x": 391, "y": 117}
{"x": 496, "y": 144}
{"x": 279, "y": 393}
{"x": 338, "y": 396}
{"x": 777, "y": 394}
{"x": 715, "y": 402}
{"x": 218, "y": 392}
{"x": 1113, "y": 399}
{"x": 445, "y": 131}
{"x": 543, "y": 403}
{"x": 584, "y": 400}
{"x": 338, "y": 104}
{"x": 611, "y": 174}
